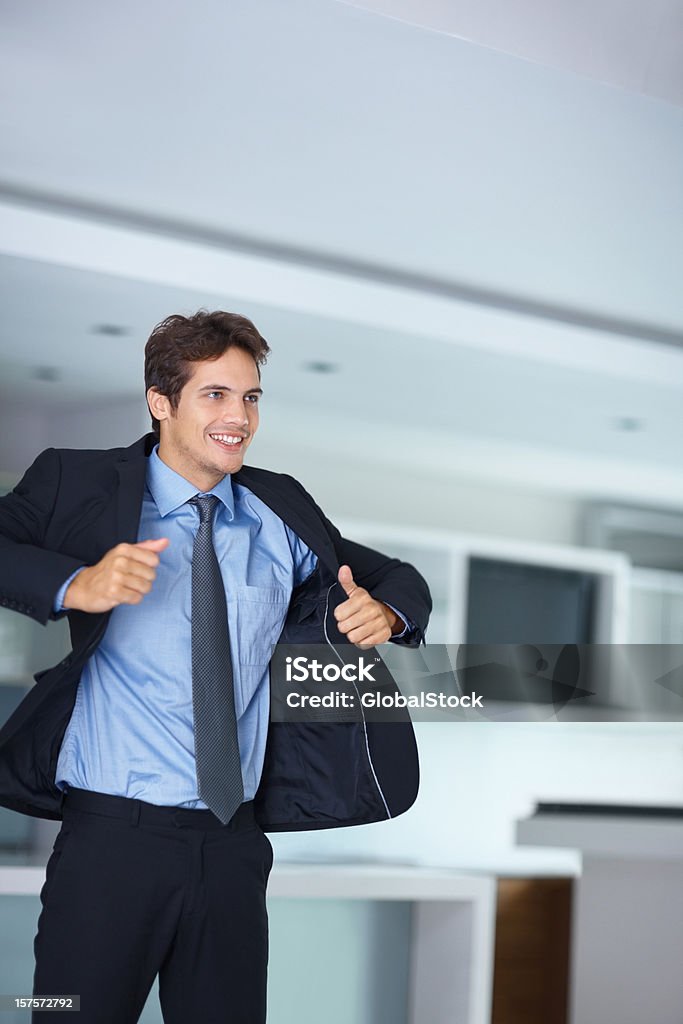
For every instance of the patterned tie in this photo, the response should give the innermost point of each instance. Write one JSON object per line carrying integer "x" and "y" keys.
{"x": 217, "y": 754}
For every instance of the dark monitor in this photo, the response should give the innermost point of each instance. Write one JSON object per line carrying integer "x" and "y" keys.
{"x": 528, "y": 632}
{"x": 517, "y": 603}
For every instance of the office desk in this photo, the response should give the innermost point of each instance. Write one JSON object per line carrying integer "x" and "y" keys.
{"x": 627, "y": 915}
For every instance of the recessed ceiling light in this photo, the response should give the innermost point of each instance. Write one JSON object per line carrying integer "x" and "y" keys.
{"x": 111, "y": 330}
{"x": 320, "y": 366}
{"x": 629, "y": 424}
{"x": 48, "y": 373}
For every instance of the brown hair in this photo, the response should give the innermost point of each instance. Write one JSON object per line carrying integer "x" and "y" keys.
{"x": 180, "y": 340}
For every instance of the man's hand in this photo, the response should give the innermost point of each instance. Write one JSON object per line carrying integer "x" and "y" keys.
{"x": 123, "y": 576}
{"x": 364, "y": 621}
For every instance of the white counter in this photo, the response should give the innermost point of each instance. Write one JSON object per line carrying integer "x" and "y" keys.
{"x": 452, "y": 945}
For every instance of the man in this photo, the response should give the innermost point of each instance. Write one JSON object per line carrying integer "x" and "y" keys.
{"x": 179, "y": 569}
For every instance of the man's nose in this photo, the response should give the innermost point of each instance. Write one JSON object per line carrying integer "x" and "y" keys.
{"x": 235, "y": 411}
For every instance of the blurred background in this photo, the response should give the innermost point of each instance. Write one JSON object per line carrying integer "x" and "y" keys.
{"x": 459, "y": 227}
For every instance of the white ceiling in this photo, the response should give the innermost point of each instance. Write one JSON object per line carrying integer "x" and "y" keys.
{"x": 627, "y": 43}
{"x": 486, "y": 246}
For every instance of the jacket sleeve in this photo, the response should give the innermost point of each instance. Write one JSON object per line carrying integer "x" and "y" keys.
{"x": 31, "y": 575}
{"x": 388, "y": 579}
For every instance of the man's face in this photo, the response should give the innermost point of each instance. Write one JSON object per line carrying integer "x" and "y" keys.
{"x": 217, "y": 416}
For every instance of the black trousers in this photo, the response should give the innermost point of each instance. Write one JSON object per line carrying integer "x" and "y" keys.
{"x": 133, "y": 890}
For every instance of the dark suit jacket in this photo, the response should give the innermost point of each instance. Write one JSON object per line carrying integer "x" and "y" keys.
{"x": 69, "y": 509}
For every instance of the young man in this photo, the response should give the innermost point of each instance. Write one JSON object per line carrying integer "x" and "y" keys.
{"x": 179, "y": 569}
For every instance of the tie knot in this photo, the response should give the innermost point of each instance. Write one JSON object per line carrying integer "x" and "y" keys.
{"x": 206, "y": 504}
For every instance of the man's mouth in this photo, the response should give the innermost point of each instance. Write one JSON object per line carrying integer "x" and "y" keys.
{"x": 229, "y": 442}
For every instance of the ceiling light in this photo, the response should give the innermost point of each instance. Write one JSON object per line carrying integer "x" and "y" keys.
{"x": 111, "y": 330}
{"x": 629, "y": 424}
{"x": 48, "y": 373}
{"x": 320, "y": 366}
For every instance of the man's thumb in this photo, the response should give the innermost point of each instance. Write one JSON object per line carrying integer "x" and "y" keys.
{"x": 345, "y": 577}
{"x": 158, "y": 544}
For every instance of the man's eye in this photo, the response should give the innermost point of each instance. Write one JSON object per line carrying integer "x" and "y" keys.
{"x": 212, "y": 393}
{"x": 252, "y": 398}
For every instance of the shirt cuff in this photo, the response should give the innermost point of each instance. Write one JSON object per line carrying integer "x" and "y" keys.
{"x": 408, "y": 627}
{"x": 58, "y": 605}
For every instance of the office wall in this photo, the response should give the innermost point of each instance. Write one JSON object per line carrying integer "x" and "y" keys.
{"x": 364, "y": 489}
{"x": 24, "y": 427}
{"x": 29, "y": 426}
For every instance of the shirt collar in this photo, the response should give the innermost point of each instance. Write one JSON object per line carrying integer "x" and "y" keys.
{"x": 170, "y": 490}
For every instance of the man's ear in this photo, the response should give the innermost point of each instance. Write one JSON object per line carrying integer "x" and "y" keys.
{"x": 159, "y": 405}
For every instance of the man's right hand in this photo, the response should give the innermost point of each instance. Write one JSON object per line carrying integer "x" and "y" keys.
{"x": 123, "y": 576}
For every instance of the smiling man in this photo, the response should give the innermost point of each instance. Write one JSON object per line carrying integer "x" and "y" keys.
{"x": 207, "y": 433}
{"x": 179, "y": 569}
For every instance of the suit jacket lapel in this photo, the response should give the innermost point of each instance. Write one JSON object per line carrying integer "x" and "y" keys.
{"x": 132, "y": 471}
{"x": 295, "y": 512}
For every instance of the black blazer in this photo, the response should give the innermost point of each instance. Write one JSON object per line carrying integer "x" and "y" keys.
{"x": 69, "y": 509}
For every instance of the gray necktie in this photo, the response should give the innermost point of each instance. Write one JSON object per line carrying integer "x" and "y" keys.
{"x": 217, "y": 755}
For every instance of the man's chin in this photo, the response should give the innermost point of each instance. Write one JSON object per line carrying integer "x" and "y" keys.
{"x": 228, "y": 461}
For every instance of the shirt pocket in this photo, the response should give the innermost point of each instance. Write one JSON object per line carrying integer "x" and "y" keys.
{"x": 260, "y": 615}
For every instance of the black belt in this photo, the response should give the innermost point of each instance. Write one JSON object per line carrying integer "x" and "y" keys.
{"x": 139, "y": 812}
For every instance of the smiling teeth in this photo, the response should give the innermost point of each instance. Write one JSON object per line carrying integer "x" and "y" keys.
{"x": 226, "y": 438}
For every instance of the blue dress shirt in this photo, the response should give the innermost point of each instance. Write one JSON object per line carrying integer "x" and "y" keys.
{"x": 131, "y": 731}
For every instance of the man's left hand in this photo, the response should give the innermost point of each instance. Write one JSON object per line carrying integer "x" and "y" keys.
{"x": 364, "y": 621}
